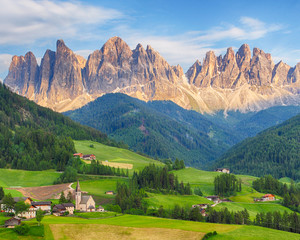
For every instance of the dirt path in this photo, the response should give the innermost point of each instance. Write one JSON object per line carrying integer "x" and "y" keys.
{"x": 45, "y": 192}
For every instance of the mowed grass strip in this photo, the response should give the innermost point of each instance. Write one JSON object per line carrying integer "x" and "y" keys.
{"x": 169, "y": 201}
{"x": 226, "y": 232}
{"x": 113, "y": 154}
{"x": 256, "y": 233}
{"x": 108, "y": 232}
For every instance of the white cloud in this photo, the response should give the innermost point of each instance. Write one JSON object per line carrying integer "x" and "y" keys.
{"x": 25, "y": 21}
{"x": 188, "y": 47}
{"x": 5, "y": 60}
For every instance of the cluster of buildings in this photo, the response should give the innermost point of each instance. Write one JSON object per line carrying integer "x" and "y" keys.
{"x": 33, "y": 207}
{"x": 267, "y": 197}
{"x": 83, "y": 203}
{"x": 85, "y": 157}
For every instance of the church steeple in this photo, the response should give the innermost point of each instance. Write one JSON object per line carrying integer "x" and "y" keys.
{"x": 78, "y": 187}
{"x": 77, "y": 196}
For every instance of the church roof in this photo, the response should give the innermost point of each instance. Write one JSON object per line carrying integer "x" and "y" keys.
{"x": 84, "y": 199}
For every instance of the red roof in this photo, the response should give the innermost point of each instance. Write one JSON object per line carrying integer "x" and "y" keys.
{"x": 268, "y": 195}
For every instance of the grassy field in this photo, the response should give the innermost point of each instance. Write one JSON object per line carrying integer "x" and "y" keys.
{"x": 113, "y": 154}
{"x": 88, "y": 229}
{"x": 205, "y": 180}
{"x": 141, "y": 227}
{"x": 97, "y": 214}
{"x": 169, "y": 201}
{"x": 253, "y": 208}
{"x": 22, "y": 178}
{"x": 98, "y": 187}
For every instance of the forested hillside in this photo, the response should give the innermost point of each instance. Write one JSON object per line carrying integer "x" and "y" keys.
{"x": 159, "y": 129}
{"x": 36, "y": 138}
{"x": 275, "y": 151}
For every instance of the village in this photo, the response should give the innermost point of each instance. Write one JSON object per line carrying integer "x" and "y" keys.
{"x": 83, "y": 203}
{"x": 86, "y": 203}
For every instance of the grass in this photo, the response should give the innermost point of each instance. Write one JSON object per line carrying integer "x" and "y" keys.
{"x": 23, "y": 178}
{"x": 205, "y": 180}
{"x": 224, "y": 231}
{"x": 113, "y": 154}
{"x": 96, "y": 214}
{"x": 253, "y": 208}
{"x": 98, "y": 187}
{"x": 169, "y": 201}
{"x": 142, "y": 227}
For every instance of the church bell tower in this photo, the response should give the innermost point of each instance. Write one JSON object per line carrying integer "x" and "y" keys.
{"x": 77, "y": 196}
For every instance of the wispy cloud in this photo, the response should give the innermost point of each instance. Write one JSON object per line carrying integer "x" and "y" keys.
{"x": 25, "y": 21}
{"x": 5, "y": 60}
{"x": 189, "y": 46}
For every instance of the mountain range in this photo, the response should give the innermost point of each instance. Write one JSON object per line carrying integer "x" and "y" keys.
{"x": 236, "y": 81}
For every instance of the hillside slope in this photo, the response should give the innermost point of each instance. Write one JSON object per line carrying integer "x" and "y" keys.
{"x": 275, "y": 151}
{"x": 36, "y": 138}
{"x": 149, "y": 128}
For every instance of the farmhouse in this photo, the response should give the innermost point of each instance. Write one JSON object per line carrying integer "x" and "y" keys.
{"x": 83, "y": 203}
{"x": 60, "y": 209}
{"x": 100, "y": 209}
{"x": 223, "y": 170}
{"x": 12, "y": 222}
{"x": 78, "y": 155}
{"x": 89, "y": 157}
{"x": 109, "y": 192}
{"x": 34, "y": 206}
{"x": 200, "y": 206}
{"x": 45, "y": 206}
{"x": 215, "y": 199}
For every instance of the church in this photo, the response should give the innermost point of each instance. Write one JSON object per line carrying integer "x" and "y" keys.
{"x": 84, "y": 203}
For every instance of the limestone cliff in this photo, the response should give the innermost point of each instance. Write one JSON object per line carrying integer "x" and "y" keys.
{"x": 237, "y": 81}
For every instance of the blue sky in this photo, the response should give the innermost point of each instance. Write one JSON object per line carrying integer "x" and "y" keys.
{"x": 181, "y": 31}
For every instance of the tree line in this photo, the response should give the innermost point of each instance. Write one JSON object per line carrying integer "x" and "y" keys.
{"x": 289, "y": 222}
{"x": 227, "y": 185}
{"x": 290, "y": 194}
{"x": 158, "y": 179}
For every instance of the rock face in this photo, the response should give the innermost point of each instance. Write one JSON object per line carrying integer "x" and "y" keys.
{"x": 65, "y": 81}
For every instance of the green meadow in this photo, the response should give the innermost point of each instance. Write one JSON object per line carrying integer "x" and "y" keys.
{"x": 23, "y": 178}
{"x": 126, "y": 227}
{"x": 205, "y": 180}
{"x": 169, "y": 201}
{"x": 113, "y": 154}
{"x": 253, "y": 208}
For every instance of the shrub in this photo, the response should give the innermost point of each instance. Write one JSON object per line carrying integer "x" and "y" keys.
{"x": 208, "y": 235}
{"x": 22, "y": 229}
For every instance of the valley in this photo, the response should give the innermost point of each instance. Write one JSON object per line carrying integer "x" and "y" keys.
{"x": 129, "y": 226}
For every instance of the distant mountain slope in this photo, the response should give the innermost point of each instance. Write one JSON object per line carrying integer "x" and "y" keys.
{"x": 249, "y": 124}
{"x": 36, "y": 138}
{"x": 275, "y": 151}
{"x": 159, "y": 129}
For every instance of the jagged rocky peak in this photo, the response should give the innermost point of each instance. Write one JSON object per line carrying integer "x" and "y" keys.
{"x": 116, "y": 47}
{"x": 236, "y": 81}
{"x": 23, "y": 73}
{"x": 243, "y": 57}
{"x": 261, "y": 68}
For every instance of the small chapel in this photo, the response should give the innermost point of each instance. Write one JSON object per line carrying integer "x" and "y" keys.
{"x": 84, "y": 203}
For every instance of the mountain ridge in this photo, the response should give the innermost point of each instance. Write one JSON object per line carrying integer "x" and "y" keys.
{"x": 238, "y": 81}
